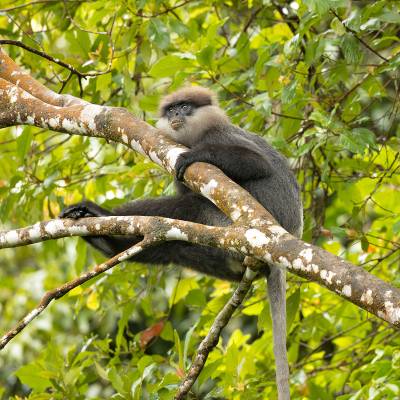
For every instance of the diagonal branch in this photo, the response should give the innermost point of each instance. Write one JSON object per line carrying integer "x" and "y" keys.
{"x": 21, "y": 102}
{"x": 62, "y": 290}
{"x": 213, "y": 335}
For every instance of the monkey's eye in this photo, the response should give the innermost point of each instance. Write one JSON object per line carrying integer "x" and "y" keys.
{"x": 170, "y": 109}
{"x": 185, "y": 107}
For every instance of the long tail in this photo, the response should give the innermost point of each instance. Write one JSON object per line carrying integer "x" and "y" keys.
{"x": 276, "y": 283}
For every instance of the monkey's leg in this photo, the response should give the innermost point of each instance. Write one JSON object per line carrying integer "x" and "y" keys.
{"x": 190, "y": 207}
{"x": 187, "y": 207}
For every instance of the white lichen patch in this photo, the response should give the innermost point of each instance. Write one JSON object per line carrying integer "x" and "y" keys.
{"x": 71, "y": 126}
{"x": 284, "y": 262}
{"x": 277, "y": 231}
{"x": 52, "y": 227}
{"x": 88, "y": 115}
{"x": 256, "y": 238}
{"x": 135, "y": 145}
{"x": 366, "y": 297}
{"x": 130, "y": 253}
{"x": 208, "y": 189}
{"x": 267, "y": 257}
{"x": 173, "y": 154}
{"x": 97, "y": 227}
{"x": 125, "y": 138}
{"x": 154, "y": 157}
{"x": 78, "y": 230}
{"x": 13, "y": 94}
{"x": 298, "y": 263}
{"x": 176, "y": 234}
{"x": 34, "y": 233}
{"x": 30, "y": 119}
{"x": 11, "y": 238}
{"x": 30, "y": 316}
{"x": 315, "y": 268}
{"x": 235, "y": 214}
{"x": 388, "y": 293}
{"x": 393, "y": 313}
{"x": 346, "y": 290}
{"x": 307, "y": 255}
{"x": 327, "y": 275}
{"x": 54, "y": 122}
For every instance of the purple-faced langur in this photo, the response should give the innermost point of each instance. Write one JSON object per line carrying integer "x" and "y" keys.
{"x": 191, "y": 116}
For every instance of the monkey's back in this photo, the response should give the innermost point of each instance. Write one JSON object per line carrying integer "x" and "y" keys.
{"x": 279, "y": 192}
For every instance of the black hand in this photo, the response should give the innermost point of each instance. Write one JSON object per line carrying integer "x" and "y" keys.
{"x": 76, "y": 211}
{"x": 182, "y": 163}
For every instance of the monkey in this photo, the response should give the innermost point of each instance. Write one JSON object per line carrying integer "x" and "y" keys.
{"x": 192, "y": 117}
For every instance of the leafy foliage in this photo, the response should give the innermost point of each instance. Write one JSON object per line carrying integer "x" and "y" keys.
{"x": 319, "y": 80}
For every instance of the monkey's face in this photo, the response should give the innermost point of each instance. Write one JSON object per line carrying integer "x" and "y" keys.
{"x": 178, "y": 113}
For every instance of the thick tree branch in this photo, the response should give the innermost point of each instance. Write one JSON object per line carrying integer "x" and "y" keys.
{"x": 269, "y": 244}
{"x": 263, "y": 238}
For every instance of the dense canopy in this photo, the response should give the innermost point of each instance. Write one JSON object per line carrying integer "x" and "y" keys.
{"x": 318, "y": 80}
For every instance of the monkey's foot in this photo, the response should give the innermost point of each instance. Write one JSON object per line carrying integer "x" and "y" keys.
{"x": 76, "y": 211}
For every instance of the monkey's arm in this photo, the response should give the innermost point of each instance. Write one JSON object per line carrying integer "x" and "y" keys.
{"x": 238, "y": 162}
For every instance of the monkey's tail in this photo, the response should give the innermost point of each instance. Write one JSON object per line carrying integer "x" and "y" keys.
{"x": 276, "y": 284}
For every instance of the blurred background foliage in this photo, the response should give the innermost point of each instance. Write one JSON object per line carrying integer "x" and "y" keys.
{"x": 319, "y": 80}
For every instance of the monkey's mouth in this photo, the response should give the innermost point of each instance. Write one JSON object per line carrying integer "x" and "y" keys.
{"x": 176, "y": 123}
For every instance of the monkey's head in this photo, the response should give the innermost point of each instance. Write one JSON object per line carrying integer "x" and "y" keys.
{"x": 188, "y": 113}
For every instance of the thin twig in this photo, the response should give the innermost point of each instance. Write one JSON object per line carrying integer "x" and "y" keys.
{"x": 33, "y": 3}
{"x": 362, "y": 41}
{"x": 50, "y": 58}
{"x": 212, "y": 338}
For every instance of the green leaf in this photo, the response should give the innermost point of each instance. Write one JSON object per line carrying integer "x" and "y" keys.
{"x": 188, "y": 336}
{"x": 24, "y": 141}
{"x": 396, "y": 227}
{"x": 364, "y": 243}
{"x": 358, "y": 140}
{"x": 338, "y": 27}
{"x": 292, "y": 306}
{"x": 33, "y": 377}
{"x": 183, "y": 287}
{"x": 80, "y": 256}
{"x": 169, "y": 66}
{"x": 351, "y": 49}
{"x": 178, "y": 347}
{"x": 206, "y": 56}
{"x": 318, "y": 6}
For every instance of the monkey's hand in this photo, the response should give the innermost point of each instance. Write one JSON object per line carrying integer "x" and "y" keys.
{"x": 79, "y": 210}
{"x": 183, "y": 162}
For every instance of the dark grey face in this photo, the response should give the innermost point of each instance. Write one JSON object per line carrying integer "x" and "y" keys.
{"x": 177, "y": 114}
